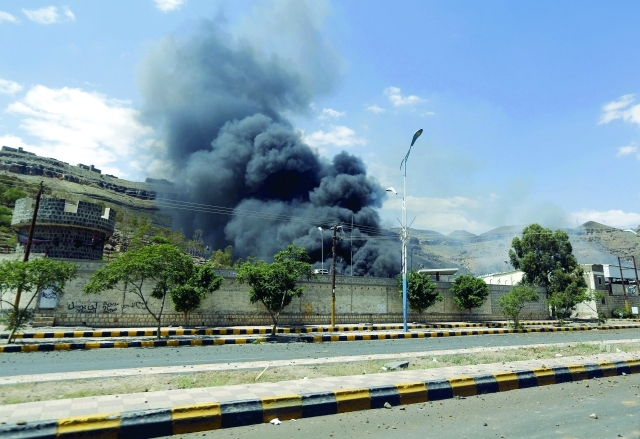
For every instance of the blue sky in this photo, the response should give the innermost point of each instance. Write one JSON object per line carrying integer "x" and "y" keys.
{"x": 530, "y": 110}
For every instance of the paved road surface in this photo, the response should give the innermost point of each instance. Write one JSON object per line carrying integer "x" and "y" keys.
{"x": 103, "y": 359}
{"x": 558, "y": 411}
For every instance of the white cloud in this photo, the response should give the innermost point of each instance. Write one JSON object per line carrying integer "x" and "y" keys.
{"x": 396, "y": 98}
{"x": 13, "y": 142}
{"x": 626, "y": 150}
{"x": 80, "y": 127}
{"x": 429, "y": 113}
{"x": 376, "y": 109}
{"x": 337, "y": 135}
{"x": 70, "y": 15}
{"x": 621, "y": 109}
{"x": 9, "y": 87}
{"x": 7, "y": 17}
{"x": 613, "y": 218}
{"x": 169, "y": 5}
{"x": 49, "y": 15}
{"x": 329, "y": 113}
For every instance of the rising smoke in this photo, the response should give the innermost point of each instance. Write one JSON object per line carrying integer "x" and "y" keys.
{"x": 220, "y": 100}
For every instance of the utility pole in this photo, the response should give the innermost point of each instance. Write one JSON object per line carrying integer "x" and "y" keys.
{"x": 27, "y": 250}
{"x": 333, "y": 279}
{"x": 624, "y": 292}
{"x": 636, "y": 270}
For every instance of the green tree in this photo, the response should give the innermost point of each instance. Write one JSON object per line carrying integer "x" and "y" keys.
{"x": 514, "y": 302}
{"x": 173, "y": 237}
{"x": 195, "y": 246}
{"x": 567, "y": 290}
{"x": 276, "y": 284}
{"x": 202, "y": 281}
{"x": 222, "y": 258}
{"x": 546, "y": 259}
{"x": 421, "y": 291}
{"x": 539, "y": 253}
{"x": 10, "y": 195}
{"x": 5, "y": 216}
{"x": 31, "y": 278}
{"x": 12, "y": 241}
{"x": 164, "y": 266}
{"x": 469, "y": 292}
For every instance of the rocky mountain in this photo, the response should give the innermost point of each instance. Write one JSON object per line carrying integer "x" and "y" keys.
{"x": 486, "y": 253}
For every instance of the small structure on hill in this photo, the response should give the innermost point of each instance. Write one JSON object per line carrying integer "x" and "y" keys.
{"x": 63, "y": 229}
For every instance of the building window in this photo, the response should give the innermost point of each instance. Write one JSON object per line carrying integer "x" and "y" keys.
{"x": 599, "y": 280}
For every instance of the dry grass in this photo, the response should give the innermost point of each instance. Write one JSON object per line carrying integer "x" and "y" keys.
{"x": 148, "y": 383}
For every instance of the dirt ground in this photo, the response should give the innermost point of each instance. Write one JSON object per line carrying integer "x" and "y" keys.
{"x": 14, "y": 394}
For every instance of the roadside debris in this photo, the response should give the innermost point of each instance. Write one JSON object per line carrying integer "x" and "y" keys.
{"x": 395, "y": 365}
{"x": 263, "y": 371}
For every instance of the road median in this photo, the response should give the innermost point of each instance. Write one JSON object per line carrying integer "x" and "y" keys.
{"x": 35, "y": 345}
{"x": 195, "y": 410}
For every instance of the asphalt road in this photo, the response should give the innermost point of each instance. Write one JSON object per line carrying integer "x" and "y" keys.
{"x": 557, "y": 411}
{"x": 103, "y": 359}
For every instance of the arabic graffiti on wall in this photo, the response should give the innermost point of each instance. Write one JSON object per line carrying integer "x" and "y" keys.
{"x": 83, "y": 306}
{"x": 101, "y": 307}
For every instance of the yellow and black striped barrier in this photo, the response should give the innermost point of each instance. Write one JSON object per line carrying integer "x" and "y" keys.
{"x": 252, "y": 330}
{"x": 436, "y": 334}
{"x": 35, "y": 347}
{"x": 216, "y": 415}
{"x": 127, "y": 344}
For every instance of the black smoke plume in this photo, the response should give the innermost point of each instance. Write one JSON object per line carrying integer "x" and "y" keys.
{"x": 219, "y": 102}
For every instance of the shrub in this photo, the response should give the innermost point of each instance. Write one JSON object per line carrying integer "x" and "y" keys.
{"x": 513, "y": 302}
{"x": 621, "y": 313}
{"x": 602, "y": 318}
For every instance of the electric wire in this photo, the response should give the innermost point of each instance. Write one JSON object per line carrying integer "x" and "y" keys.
{"x": 371, "y": 233}
{"x": 205, "y": 208}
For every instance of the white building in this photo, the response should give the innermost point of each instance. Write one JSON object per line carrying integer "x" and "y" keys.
{"x": 505, "y": 278}
{"x": 600, "y": 277}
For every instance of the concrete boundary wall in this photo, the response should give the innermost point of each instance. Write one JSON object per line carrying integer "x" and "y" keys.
{"x": 358, "y": 300}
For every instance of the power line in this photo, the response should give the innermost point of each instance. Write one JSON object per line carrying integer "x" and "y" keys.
{"x": 371, "y": 232}
{"x": 212, "y": 209}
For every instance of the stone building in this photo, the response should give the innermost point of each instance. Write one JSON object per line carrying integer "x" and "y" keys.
{"x": 64, "y": 230}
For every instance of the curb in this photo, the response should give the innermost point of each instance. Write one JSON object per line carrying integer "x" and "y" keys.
{"x": 127, "y": 344}
{"x": 256, "y": 331}
{"x": 214, "y": 415}
{"x": 36, "y": 347}
{"x": 404, "y": 335}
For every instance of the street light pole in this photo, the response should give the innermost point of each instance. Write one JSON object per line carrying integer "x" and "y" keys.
{"x": 322, "y": 246}
{"x": 333, "y": 279}
{"x": 405, "y": 234}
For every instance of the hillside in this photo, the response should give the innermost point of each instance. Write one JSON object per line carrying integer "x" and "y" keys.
{"x": 85, "y": 182}
{"x": 487, "y": 252}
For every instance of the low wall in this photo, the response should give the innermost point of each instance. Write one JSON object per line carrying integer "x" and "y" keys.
{"x": 358, "y": 300}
